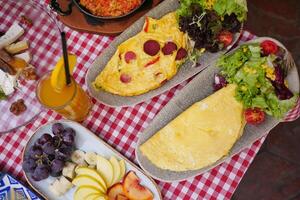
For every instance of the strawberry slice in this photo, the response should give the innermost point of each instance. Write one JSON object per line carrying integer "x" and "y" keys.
{"x": 254, "y": 116}
{"x": 226, "y": 38}
{"x": 268, "y": 47}
{"x": 152, "y": 62}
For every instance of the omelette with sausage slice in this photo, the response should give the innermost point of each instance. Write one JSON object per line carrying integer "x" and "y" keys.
{"x": 147, "y": 60}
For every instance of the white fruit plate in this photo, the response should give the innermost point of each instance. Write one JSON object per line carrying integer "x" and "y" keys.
{"x": 86, "y": 141}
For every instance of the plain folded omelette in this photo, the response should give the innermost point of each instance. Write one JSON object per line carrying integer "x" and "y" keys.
{"x": 200, "y": 136}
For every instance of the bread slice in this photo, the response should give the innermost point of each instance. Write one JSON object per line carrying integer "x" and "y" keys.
{"x": 11, "y": 35}
{"x": 17, "y": 47}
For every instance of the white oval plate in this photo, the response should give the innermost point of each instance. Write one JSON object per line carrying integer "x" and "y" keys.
{"x": 86, "y": 141}
{"x": 199, "y": 88}
{"x": 185, "y": 71}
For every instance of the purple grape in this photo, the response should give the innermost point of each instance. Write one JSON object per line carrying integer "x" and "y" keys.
{"x": 43, "y": 139}
{"x": 63, "y": 153}
{"x": 57, "y": 141}
{"x": 57, "y": 166}
{"x": 51, "y": 157}
{"x": 70, "y": 131}
{"x": 68, "y": 139}
{"x": 35, "y": 152}
{"x": 57, "y": 128}
{"x": 41, "y": 172}
{"x": 29, "y": 165}
{"x": 49, "y": 148}
{"x": 63, "y": 145}
{"x": 57, "y": 174}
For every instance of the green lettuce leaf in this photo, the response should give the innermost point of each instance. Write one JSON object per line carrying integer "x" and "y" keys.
{"x": 238, "y": 7}
{"x": 222, "y": 7}
{"x": 244, "y": 68}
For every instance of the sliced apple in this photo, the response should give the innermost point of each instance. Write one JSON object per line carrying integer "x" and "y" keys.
{"x": 96, "y": 197}
{"x": 83, "y": 191}
{"x": 100, "y": 198}
{"x": 116, "y": 169}
{"x": 105, "y": 169}
{"x": 121, "y": 197}
{"x": 85, "y": 180}
{"x": 114, "y": 191}
{"x": 133, "y": 189}
{"x": 122, "y": 169}
{"x": 93, "y": 173}
{"x": 92, "y": 196}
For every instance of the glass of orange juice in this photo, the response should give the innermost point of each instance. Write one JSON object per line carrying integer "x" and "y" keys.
{"x": 71, "y": 100}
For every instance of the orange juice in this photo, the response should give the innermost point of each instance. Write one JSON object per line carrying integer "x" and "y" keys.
{"x": 71, "y": 101}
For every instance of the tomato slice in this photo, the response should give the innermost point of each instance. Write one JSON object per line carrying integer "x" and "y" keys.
{"x": 254, "y": 116}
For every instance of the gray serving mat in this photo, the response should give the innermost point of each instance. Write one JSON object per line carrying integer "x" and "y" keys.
{"x": 185, "y": 71}
{"x": 199, "y": 88}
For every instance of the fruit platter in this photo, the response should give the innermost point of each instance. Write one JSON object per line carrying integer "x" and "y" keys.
{"x": 252, "y": 100}
{"x": 133, "y": 68}
{"x": 64, "y": 160}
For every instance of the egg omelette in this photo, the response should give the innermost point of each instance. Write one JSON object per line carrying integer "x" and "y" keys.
{"x": 199, "y": 136}
{"x": 143, "y": 72}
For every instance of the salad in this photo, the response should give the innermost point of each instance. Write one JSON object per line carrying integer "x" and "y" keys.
{"x": 259, "y": 70}
{"x": 211, "y": 24}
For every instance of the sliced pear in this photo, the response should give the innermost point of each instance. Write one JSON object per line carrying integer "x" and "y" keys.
{"x": 93, "y": 173}
{"x": 105, "y": 169}
{"x": 116, "y": 169}
{"x": 122, "y": 169}
{"x": 85, "y": 180}
{"x": 83, "y": 191}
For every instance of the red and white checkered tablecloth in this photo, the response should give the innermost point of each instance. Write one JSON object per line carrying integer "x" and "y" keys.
{"x": 120, "y": 128}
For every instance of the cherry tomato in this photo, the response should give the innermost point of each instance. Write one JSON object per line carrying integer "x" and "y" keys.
{"x": 268, "y": 47}
{"x": 254, "y": 116}
{"x": 226, "y": 38}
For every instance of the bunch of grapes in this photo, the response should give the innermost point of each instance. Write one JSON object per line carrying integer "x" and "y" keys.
{"x": 49, "y": 153}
